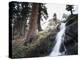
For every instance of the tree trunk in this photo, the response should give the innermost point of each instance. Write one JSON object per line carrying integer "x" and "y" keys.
{"x": 23, "y": 25}
{"x": 39, "y": 26}
{"x": 18, "y": 22}
{"x": 71, "y": 12}
{"x": 39, "y": 17}
{"x": 33, "y": 23}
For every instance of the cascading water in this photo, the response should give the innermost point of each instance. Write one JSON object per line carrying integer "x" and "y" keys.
{"x": 59, "y": 40}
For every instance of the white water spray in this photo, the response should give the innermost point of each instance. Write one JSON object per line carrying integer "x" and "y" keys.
{"x": 59, "y": 40}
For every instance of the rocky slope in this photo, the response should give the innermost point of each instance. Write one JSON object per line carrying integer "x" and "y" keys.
{"x": 71, "y": 35}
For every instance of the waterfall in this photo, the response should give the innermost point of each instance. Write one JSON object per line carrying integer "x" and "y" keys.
{"x": 59, "y": 39}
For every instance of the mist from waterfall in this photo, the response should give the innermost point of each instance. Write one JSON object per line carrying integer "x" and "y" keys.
{"x": 59, "y": 39}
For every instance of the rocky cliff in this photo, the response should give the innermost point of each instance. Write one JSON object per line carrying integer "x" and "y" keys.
{"x": 71, "y": 35}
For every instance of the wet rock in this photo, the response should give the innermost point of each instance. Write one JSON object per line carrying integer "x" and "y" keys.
{"x": 71, "y": 35}
{"x": 62, "y": 48}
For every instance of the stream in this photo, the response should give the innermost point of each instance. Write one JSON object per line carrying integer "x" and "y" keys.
{"x": 59, "y": 40}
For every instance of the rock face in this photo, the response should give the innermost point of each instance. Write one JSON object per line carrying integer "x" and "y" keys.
{"x": 71, "y": 35}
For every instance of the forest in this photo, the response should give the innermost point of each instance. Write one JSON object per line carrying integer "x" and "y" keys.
{"x": 32, "y": 37}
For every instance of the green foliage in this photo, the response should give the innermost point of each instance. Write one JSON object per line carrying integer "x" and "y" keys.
{"x": 69, "y": 8}
{"x": 19, "y": 13}
{"x": 44, "y": 11}
{"x": 40, "y": 47}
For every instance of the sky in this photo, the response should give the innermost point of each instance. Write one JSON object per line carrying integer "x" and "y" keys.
{"x": 59, "y": 9}
{"x": 55, "y": 8}
{"x": 51, "y": 9}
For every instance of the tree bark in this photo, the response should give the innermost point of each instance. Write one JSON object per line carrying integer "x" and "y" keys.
{"x": 23, "y": 25}
{"x": 39, "y": 26}
{"x": 39, "y": 17}
{"x": 71, "y": 12}
{"x": 33, "y": 23}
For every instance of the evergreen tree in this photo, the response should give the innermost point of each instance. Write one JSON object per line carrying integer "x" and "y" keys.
{"x": 42, "y": 13}
{"x": 69, "y": 8}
